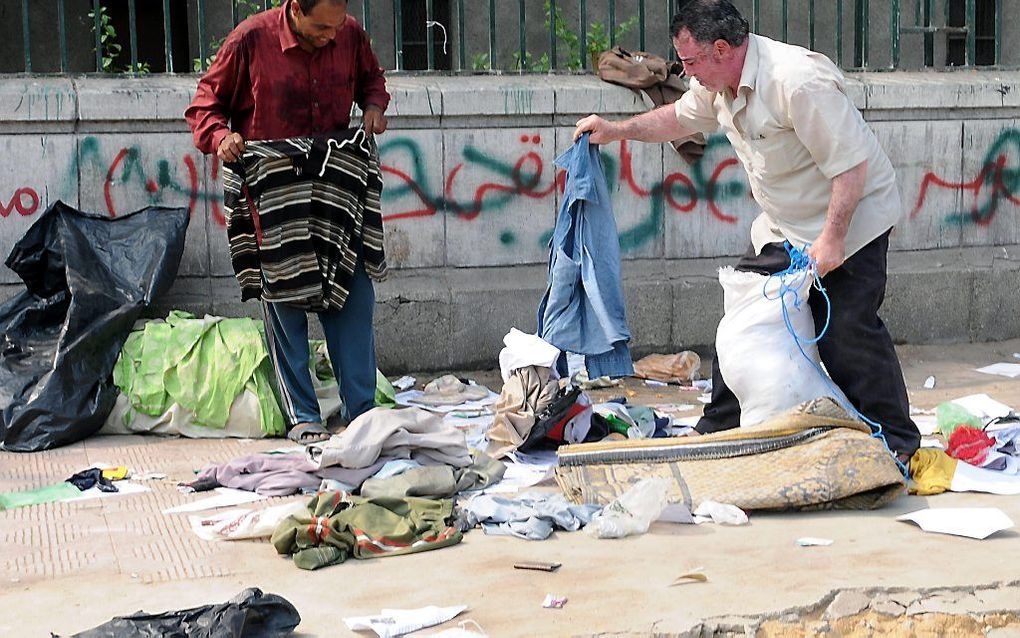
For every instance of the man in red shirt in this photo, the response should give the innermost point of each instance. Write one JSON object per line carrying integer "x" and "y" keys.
{"x": 290, "y": 72}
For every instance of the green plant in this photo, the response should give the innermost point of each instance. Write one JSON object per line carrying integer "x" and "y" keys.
{"x": 596, "y": 40}
{"x": 245, "y": 9}
{"x": 480, "y": 62}
{"x": 140, "y": 68}
{"x": 107, "y": 38}
{"x": 528, "y": 64}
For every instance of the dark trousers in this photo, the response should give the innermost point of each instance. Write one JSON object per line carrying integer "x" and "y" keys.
{"x": 856, "y": 350}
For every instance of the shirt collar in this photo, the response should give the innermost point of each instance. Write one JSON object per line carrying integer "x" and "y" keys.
{"x": 749, "y": 74}
{"x": 287, "y": 38}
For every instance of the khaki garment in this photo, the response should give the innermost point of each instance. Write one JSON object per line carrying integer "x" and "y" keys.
{"x": 526, "y": 393}
{"x": 383, "y": 433}
{"x": 682, "y": 367}
{"x": 794, "y": 128}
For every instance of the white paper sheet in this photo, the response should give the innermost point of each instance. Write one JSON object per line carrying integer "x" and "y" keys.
{"x": 243, "y": 524}
{"x": 971, "y": 522}
{"x": 968, "y": 478}
{"x": 928, "y": 441}
{"x": 927, "y": 424}
{"x": 397, "y": 622}
{"x": 983, "y": 406}
{"x": 125, "y": 488}
{"x": 224, "y": 497}
{"x": 811, "y": 541}
{"x": 1011, "y": 370}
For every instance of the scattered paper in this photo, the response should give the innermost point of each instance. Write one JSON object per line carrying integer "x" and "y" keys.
{"x": 553, "y": 602}
{"x": 705, "y": 385}
{"x": 124, "y": 488}
{"x": 914, "y": 410}
{"x": 971, "y": 522}
{"x": 405, "y": 382}
{"x": 929, "y": 383}
{"x": 968, "y": 478}
{"x": 1011, "y": 370}
{"x": 705, "y": 398}
{"x": 224, "y": 497}
{"x": 696, "y": 575}
{"x": 655, "y": 384}
{"x": 927, "y": 424}
{"x": 148, "y": 476}
{"x": 1016, "y": 355}
{"x": 811, "y": 541}
{"x": 397, "y": 622}
{"x": 242, "y": 524}
{"x": 983, "y": 406}
{"x": 930, "y": 441}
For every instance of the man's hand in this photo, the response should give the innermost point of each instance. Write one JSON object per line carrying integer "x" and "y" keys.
{"x": 374, "y": 120}
{"x": 602, "y": 131}
{"x": 231, "y": 147}
{"x": 828, "y": 252}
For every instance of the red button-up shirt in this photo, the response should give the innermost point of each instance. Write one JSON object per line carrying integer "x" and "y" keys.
{"x": 268, "y": 87}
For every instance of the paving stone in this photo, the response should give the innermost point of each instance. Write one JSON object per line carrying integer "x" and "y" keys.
{"x": 998, "y": 599}
{"x": 847, "y": 603}
{"x": 904, "y": 598}
{"x": 888, "y": 607}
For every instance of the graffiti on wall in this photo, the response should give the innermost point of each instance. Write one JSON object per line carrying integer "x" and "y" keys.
{"x": 512, "y": 182}
{"x": 25, "y": 202}
{"x": 996, "y": 186}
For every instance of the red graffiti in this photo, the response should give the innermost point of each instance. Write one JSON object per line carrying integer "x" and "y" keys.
{"x": 18, "y": 202}
{"x": 991, "y": 175}
{"x": 217, "y": 210}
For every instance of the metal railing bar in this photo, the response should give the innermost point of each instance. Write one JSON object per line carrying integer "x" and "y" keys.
{"x": 133, "y": 34}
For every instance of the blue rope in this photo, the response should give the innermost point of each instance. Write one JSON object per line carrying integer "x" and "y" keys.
{"x": 791, "y": 280}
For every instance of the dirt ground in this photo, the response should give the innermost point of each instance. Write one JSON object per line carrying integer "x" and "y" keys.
{"x": 70, "y": 566}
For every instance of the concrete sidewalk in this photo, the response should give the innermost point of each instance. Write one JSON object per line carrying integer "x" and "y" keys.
{"x": 68, "y": 567}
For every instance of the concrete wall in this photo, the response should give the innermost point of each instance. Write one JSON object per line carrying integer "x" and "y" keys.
{"x": 471, "y": 198}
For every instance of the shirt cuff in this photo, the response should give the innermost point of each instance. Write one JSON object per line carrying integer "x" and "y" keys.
{"x": 217, "y": 138}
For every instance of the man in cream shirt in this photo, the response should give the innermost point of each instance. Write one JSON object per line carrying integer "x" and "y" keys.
{"x": 820, "y": 178}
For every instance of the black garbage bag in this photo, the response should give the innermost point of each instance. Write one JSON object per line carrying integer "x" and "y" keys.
{"x": 88, "y": 277}
{"x": 250, "y": 614}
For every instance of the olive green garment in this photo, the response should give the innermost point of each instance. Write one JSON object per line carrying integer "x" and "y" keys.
{"x": 339, "y": 526}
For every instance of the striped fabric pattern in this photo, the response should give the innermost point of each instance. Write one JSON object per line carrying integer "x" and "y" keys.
{"x": 298, "y": 212}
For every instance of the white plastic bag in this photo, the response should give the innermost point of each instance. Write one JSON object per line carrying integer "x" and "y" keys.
{"x": 719, "y": 513}
{"x": 758, "y": 357}
{"x": 633, "y": 512}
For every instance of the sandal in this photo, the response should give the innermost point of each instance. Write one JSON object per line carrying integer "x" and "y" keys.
{"x": 305, "y": 433}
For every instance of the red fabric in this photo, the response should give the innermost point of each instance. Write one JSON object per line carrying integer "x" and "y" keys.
{"x": 970, "y": 445}
{"x": 268, "y": 87}
{"x": 556, "y": 432}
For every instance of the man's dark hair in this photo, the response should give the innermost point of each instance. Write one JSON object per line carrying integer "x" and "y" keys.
{"x": 308, "y": 5}
{"x": 710, "y": 20}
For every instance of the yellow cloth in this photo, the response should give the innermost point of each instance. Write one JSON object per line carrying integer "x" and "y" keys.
{"x": 932, "y": 471}
{"x": 118, "y": 473}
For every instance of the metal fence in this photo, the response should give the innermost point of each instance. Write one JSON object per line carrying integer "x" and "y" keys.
{"x": 516, "y": 35}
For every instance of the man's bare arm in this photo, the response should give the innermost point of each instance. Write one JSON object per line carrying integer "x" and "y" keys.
{"x": 829, "y": 250}
{"x": 658, "y": 125}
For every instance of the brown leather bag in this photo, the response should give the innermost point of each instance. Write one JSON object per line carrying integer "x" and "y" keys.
{"x": 661, "y": 81}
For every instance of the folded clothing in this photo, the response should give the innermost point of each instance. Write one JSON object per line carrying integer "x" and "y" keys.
{"x": 338, "y": 526}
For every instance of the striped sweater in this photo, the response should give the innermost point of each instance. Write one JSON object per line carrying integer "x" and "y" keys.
{"x": 299, "y": 211}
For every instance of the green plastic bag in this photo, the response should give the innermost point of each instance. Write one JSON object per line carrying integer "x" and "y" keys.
{"x": 950, "y": 416}
{"x": 38, "y": 496}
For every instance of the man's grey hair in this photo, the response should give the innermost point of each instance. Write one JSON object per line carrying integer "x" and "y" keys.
{"x": 710, "y": 20}
{"x": 308, "y": 5}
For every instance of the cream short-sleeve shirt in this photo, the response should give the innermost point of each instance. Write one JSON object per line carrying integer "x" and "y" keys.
{"x": 794, "y": 128}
